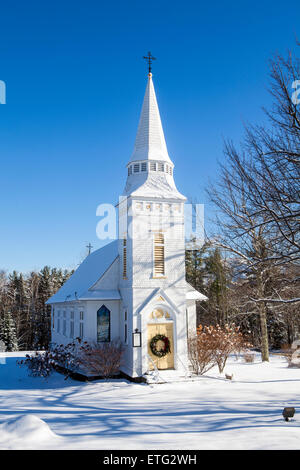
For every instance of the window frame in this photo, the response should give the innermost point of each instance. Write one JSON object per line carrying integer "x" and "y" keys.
{"x": 109, "y": 324}
{"x": 72, "y": 323}
{"x": 81, "y": 324}
{"x": 58, "y": 322}
{"x": 64, "y": 331}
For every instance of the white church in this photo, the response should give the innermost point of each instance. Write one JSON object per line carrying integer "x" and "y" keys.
{"x": 134, "y": 288}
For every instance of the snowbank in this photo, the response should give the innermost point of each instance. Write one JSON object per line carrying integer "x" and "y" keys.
{"x": 26, "y": 431}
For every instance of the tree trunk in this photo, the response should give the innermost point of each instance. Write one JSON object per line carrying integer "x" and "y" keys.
{"x": 264, "y": 333}
{"x": 263, "y": 320}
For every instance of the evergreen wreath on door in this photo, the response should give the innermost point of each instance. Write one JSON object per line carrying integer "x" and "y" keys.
{"x": 162, "y": 351}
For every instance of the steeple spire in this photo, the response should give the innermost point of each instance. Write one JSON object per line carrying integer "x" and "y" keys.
{"x": 150, "y": 141}
{"x": 150, "y": 169}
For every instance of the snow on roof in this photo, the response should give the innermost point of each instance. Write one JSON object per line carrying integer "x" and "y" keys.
{"x": 87, "y": 274}
{"x": 157, "y": 186}
{"x": 193, "y": 294}
{"x": 101, "y": 294}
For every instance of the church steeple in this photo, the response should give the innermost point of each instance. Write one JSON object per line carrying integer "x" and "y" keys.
{"x": 150, "y": 169}
{"x": 150, "y": 141}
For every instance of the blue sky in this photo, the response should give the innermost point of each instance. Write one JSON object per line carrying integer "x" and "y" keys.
{"x": 75, "y": 82}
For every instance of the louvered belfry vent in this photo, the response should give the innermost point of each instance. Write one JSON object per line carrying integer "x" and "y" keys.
{"x": 159, "y": 254}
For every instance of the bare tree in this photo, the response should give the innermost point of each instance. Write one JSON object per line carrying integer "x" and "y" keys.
{"x": 269, "y": 161}
{"x": 258, "y": 201}
{"x": 245, "y": 236}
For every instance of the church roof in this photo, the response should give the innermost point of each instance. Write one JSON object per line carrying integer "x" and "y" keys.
{"x": 150, "y": 141}
{"x": 86, "y": 275}
{"x": 194, "y": 294}
{"x": 152, "y": 186}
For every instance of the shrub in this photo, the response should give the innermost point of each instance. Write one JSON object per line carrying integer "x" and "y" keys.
{"x": 248, "y": 356}
{"x": 40, "y": 364}
{"x": 212, "y": 346}
{"x": 200, "y": 353}
{"x": 293, "y": 358}
{"x": 101, "y": 359}
{"x": 224, "y": 341}
{"x": 104, "y": 359}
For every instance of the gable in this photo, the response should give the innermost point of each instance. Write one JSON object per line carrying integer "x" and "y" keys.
{"x": 87, "y": 274}
{"x": 158, "y": 297}
{"x": 110, "y": 278}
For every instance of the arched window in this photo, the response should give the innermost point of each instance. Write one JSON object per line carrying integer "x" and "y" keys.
{"x": 103, "y": 325}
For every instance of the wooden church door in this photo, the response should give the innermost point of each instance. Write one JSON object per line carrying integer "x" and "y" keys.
{"x": 166, "y": 329}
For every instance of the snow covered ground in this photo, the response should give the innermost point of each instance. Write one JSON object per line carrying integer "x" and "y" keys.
{"x": 210, "y": 413}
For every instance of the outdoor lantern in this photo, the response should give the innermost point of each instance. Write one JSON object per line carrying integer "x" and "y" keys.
{"x": 136, "y": 338}
{"x": 288, "y": 413}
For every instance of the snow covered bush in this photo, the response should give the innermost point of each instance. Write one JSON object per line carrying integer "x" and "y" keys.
{"x": 101, "y": 359}
{"x": 97, "y": 359}
{"x": 293, "y": 355}
{"x": 39, "y": 364}
{"x": 43, "y": 363}
{"x": 248, "y": 356}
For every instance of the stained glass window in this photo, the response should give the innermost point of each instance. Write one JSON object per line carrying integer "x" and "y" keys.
{"x": 103, "y": 325}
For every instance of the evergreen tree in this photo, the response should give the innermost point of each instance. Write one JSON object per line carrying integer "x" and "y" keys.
{"x": 43, "y": 312}
{"x": 194, "y": 265}
{"x": 16, "y": 290}
{"x": 22, "y": 298}
{"x": 8, "y": 332}
{"x": 217, "y": 287}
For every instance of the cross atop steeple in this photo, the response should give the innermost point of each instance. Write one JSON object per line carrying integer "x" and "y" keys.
{"x": 149, "y": 59}
{"x": 89, "y": 247}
